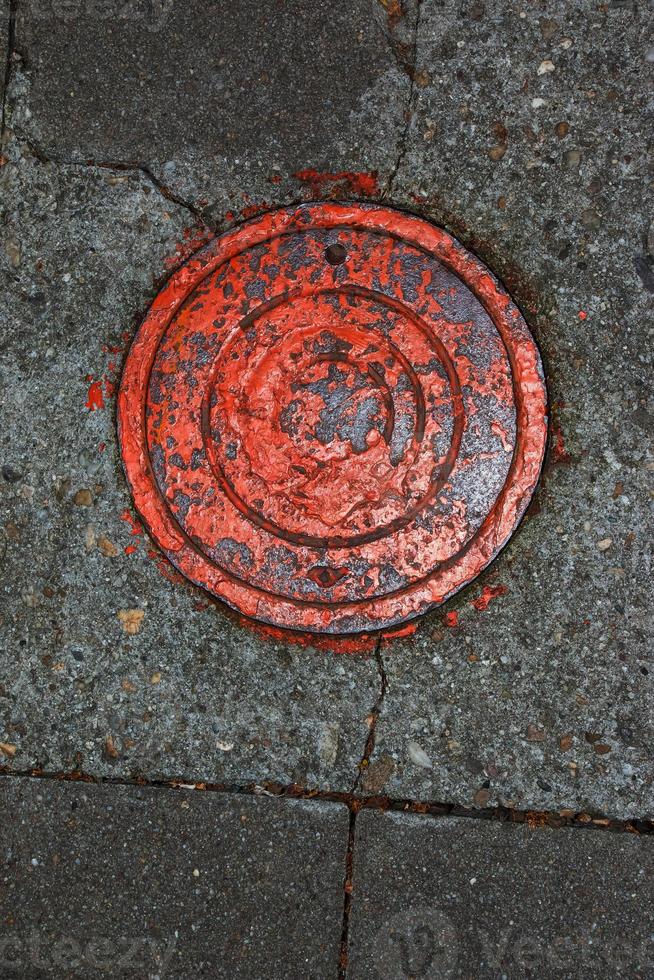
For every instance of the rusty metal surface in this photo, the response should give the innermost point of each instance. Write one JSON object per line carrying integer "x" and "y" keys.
{"x": 332, "y": 417}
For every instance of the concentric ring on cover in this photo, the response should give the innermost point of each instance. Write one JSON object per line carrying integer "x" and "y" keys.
{"x": 333, "y": 417}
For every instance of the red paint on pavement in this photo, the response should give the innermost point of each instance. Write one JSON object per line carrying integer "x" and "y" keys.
{"x": 332, "y": 418}
{"x": 489, "y": 592}
{"x": 135, "y": 526}
{"x": 193, "y": 239}
{"x": 347, "y": 182}
{"x": 560, "y": 454}
{"x": 363, "y": 644}
{"x": 165, "y": 568}
{"x": 252, "y": 210}
{"x": 399, "y": 634}
{"x": 451, "y": 619}
{"x": 95, "y": 397}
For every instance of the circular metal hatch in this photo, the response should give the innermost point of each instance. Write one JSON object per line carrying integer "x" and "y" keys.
{"x": 332, "y": 417}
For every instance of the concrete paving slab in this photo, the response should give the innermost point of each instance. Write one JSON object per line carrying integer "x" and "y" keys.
{"x": 109, "y": 666}
{"x": 122, "y": 881}
{"x": 528, "y": 139}
{"x": 470, "y": 898}
{"x": 221, "y": 100}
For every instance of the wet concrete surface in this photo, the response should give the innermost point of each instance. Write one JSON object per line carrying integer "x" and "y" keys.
{"x": 225, "y": 102}
{"x": 524, "y": 132}
{"x": 561, "y": 213}
{"x": 469, "y": 898}
{"x": 124, "y": 882}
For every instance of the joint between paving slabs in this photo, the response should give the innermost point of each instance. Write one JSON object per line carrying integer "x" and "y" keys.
{"x": 535, "y": 819}
{"x": 347, "y": 895}
{"x": 373, "y": 717}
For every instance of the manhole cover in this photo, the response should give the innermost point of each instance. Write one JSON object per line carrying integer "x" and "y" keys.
{"x": 332, "y": 418}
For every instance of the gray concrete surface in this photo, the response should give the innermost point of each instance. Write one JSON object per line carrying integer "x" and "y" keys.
{"x": 222, "y": 100}
{"x": 191, "y": 694}
{"x": 563, "y": 215}
{"x": 542, "y": 699}
{"x": 524, "y": 130}
{"x": 123, "y": 882}
{"x": 441, "y": 898}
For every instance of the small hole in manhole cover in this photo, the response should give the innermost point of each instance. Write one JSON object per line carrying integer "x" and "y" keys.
{"x": 332, "y": 454}
{"x": 335, "y": 254}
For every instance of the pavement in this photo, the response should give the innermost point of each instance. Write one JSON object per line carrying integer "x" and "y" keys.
{"x": 518, "y": 717}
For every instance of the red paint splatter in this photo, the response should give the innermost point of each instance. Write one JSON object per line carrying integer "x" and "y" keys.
{"x": 136, "y": 527}
{"x": 559, "y": 453}
{"x": 165, "y": 568}
{"x": 346, "y": 182}
{"x": 95, "y": 398}
{"x": 130, "y": 549}
{"x": 451, "y": 619}
{"x": 118, "y": 348}
{"x": 364, "y": 643}
{"x": 489, "y": 592}
{"x": 583, "y": 315}
{"x": 351, "y": 645}
{"x": 400, "y": 633}
{"x": 104, "y": 386}
{"x": 193, "y": 239}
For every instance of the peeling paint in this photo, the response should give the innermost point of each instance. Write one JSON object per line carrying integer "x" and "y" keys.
{"x": 350, "y": 399}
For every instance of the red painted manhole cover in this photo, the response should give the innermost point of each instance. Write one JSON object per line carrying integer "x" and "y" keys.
{"x": 333, "y": 417}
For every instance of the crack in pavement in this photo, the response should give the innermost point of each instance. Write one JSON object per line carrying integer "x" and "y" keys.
{"x": 354, "y": 806}
{"x": 533, "y": 819}
{"x": 135, "y": 166}
{"x": 11, "y": 43}
{"x": 375, "y": 712}
{"x": 399, "y": 49}
{"x": 410, "y": 67}
{"x": 120, "y": 166}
